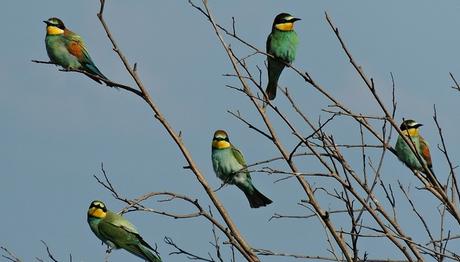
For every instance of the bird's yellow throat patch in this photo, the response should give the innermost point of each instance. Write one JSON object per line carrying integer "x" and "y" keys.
{"x": 220, "y": 144}
{"x": 288, "y": 26}
{"x": 411, "y": 132}
{"x": 54, "y": 30}
{"x": 96, "y": 212}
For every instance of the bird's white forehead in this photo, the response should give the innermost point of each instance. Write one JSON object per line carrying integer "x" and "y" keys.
{"x": 221, "y": 136}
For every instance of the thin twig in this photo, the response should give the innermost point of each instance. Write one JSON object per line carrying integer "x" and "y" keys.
{"x": 108, "y": 82}
{"x": 10, "y": 255}
{"x": 50, "y": 255}
{"x": 181, "y": 251}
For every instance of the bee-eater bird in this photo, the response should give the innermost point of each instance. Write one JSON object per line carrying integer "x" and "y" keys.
{"x": 117, "y": 232}
{"x": 410, "y": 129}
{"x": 282, "y": 44}
{"x": 229, "y": 165}
{"x": 67, "y": 49}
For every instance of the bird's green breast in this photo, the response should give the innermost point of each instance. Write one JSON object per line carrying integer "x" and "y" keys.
{"x": 225, "y": 164}
{"x": 58, "y": 53}
{"x": 406, "y": 155}
{"x": 283, "y": 45}
{"x": 94, "y": 225}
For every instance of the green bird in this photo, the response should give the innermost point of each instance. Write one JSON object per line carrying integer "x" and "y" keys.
{"x": 410, "y": 129}
{"x": 117, "y": 232}
{"x": 282, "y": 44}
{"x": 230, "y": 166}
{"x": 67, "y": 49}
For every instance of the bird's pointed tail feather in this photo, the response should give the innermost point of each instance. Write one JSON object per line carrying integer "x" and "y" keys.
{"x": 255, "y": 198}
{"x": 95, "y": 71}
{"x": 143, "y": 252}
{"x": 274, "y": 71}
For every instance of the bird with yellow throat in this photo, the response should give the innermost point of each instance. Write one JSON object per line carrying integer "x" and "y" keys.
{"x": 230, "y": 166}
{"x": 67, "y": 49}
{"x": 282, "y": 45}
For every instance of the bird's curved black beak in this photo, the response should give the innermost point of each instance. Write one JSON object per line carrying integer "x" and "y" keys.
{"x": 46, "y": 22}
{"x": 295, "y": 19}
{"x": 418, "y": 125}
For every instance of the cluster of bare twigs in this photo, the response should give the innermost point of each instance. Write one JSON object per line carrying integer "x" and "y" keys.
{"x": 368, "y": 207}
{"x": 10, "y": 256}
{"x": 137, "y": 205}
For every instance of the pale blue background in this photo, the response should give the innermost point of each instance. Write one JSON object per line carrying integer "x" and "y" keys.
{"x": 58, "y": 127}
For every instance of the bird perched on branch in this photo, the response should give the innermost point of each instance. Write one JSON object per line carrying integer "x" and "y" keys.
{"x": 282, "y": 44}
{"x": 410, "y": 129}
{"x": 229, "y": 165}
{"x": 67, "y": 49}
{"x": 117, "y": 232}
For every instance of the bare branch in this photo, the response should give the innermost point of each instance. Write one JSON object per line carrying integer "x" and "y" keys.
{"x": 235, "y": 235}
{"x": 10, "y": 255}
{"x": 180, "y": 251}
{"x": 49, "y": 252}
{"x": 305, "y": 185}
{"x": 106, "y": 81}
{"x": 457, "y": 86}
{"x": 455, "y": 187}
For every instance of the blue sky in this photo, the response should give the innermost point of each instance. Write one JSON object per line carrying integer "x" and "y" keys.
{"x": 58, "y": 127}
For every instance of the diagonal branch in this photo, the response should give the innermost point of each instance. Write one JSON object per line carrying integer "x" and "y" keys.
{"x": 10, "y": 255}
{"x": 436, "y": 189}
{"x": 242, "y": 246}
{"x": 322, "y": 215}
{"x": 48, "y": 251}
{"x": 108, "y": 82}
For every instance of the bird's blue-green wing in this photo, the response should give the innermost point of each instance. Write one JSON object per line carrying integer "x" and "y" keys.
{"x": 239, "y": 156}
{"x": 117, "y": 234}
{"x": 76, "y": 46}
{"x": 122, "y": 237}
{"x": 120, "y": 221}
{"x": 267, "y": 45}
{"x": 425, "y": 151}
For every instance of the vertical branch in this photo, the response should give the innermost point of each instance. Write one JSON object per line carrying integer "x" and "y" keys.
{"x": 455, "y": 188}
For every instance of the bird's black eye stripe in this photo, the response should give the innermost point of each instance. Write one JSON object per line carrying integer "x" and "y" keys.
{"x": 56, "y": 24}
{"x": 284, "y": 20}
{"x": 406, "y": 126}
{"x": 221, "y": 139}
